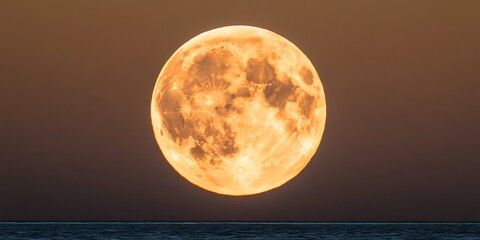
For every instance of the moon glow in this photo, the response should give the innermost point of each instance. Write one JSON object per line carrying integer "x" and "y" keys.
{"x": 238, "y": 110}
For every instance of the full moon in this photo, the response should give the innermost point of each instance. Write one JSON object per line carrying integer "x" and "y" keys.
{"x": 238, "y": 110}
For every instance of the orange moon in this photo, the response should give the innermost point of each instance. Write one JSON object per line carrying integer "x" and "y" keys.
{"x": 238, "y": 110}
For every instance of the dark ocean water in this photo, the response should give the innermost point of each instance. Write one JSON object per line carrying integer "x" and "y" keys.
{"x": 236, "y": 230}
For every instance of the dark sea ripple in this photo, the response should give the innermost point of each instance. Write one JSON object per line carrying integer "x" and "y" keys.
{"x": 236, "y": 230}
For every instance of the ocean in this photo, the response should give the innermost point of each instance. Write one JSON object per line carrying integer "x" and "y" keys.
{"x": 237, "y": 230}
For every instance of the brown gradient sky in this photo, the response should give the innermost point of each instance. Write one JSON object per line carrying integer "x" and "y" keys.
{"x": 402, "y": 80}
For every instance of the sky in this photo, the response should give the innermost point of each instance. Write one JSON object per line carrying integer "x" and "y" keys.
{"x": 402, "y": 84}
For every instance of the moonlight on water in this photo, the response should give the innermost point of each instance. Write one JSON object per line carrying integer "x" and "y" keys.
{"x": 238, "y": 110}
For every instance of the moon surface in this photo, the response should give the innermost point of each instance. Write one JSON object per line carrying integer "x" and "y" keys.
{"x": 238, "y": 110}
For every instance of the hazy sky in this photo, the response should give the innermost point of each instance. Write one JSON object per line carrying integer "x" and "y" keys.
{"x": 402, "y": 81}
